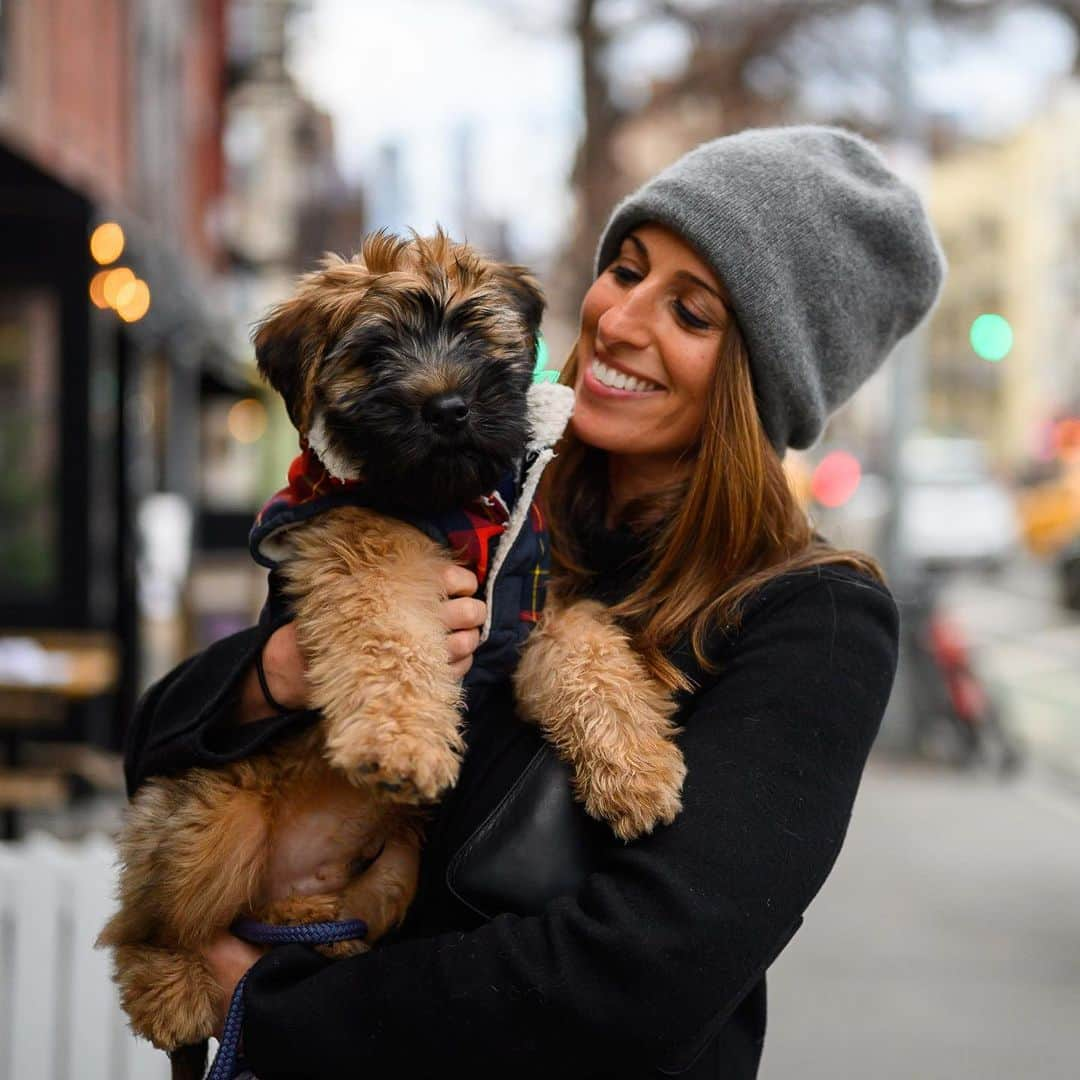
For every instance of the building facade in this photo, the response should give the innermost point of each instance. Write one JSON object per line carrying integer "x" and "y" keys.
{"x": 110, "y": 110}
{"x": 1009, "y": 218}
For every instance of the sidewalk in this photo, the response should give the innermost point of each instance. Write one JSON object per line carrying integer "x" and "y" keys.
{"x": 945, "y": 945}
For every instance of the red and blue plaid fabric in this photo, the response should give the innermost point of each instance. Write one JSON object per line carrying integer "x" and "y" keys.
{"x": 311, "y": 490}
{"x": 472, "y": 532}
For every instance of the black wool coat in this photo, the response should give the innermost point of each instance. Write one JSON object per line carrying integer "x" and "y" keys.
{"x": 541, "y": 945}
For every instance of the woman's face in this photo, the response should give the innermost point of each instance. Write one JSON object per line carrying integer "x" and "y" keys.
{"x": 651, "y": 326}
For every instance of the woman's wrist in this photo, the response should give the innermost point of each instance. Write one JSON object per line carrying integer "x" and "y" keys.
{"x": 262, "y": 693}
{"x": 276, "y": 680}
{"x": 253, "y": 704}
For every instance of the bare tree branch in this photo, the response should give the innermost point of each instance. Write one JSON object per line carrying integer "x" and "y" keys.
{"x": 733, "y": 39}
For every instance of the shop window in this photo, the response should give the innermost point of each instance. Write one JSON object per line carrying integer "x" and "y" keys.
{"x": 29, "y": 445}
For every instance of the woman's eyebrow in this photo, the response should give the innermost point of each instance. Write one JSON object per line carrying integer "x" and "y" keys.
{"x": 693, "y": 279}
{"x": 643, "y": 251}
{"x": 682, "y": 275}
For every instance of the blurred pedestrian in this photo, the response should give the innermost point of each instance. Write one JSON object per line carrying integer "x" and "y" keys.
{"x": 741, "y": 296}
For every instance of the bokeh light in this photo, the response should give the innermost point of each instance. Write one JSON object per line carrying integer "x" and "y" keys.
{"x": 97, "y": 288}
{"x": 133, "y": 300}
{"x": 115, "y": 280}
{"x": 107, "y": 243}
{"x": 991, "y": 337}
{"x": 1066, "y": 438}
{"x": 836, "y": 478}
{"x": 247, "y": 420}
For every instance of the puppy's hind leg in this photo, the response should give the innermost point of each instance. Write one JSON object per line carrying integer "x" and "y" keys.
{"x": 581, "y": 682}
{"x": 193, "y": 851}
{"x": 169, "y": 995}
{"x": 210, "y": 856}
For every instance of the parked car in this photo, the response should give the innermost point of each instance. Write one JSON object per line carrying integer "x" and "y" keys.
{"x": 956, "y": 512}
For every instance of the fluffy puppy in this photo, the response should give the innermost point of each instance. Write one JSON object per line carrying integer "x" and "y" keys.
{"x": 406, "y": 371}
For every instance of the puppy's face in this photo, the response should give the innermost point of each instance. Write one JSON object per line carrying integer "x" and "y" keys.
{"x": 408, "y": 367}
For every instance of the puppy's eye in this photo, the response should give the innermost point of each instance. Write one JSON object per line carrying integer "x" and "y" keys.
{"x": 363, "y": 863}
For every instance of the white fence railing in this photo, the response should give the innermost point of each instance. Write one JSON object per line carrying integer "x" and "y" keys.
{"x": 60, "y": 1018}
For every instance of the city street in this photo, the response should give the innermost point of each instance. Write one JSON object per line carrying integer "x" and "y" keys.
{"x": 946, "y": 944}
{"x": 1027, "y": 647}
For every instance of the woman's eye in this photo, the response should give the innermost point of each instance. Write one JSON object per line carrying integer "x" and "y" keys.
{"x": 689, "y": 317}
{"x": 625, "y": 275}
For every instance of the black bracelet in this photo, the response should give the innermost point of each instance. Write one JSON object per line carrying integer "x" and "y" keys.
{"x": 270, "y": 699}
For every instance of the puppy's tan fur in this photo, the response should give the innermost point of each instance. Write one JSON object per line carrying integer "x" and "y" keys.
{"x": 601, "y": 708}
{"x": 199, "y": 849}
{"x": 202, "y": 848}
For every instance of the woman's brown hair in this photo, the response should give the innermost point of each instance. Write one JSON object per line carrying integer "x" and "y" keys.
{"x": 716, "y": 537}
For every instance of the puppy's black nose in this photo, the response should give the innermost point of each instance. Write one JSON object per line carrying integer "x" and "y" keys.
{"x": 446, "y": 413}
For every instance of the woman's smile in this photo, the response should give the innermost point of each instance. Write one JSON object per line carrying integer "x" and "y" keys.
{"x": 607, "y": 380}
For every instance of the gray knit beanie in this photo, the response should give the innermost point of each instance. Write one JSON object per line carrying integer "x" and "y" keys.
{"x": 828, "y": 256}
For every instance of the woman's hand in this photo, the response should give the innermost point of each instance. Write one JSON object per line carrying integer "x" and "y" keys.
{"x": 228, "y": 959}
{"x": 286, "y": 670}
{"x": 462, "y": 615}
{"x": 286, "y": 677}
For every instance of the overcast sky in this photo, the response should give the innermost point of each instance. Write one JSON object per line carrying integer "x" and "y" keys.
{"x": 414, "y": 70}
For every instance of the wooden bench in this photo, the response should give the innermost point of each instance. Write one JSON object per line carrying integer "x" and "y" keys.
{"x": 33, "y": 789}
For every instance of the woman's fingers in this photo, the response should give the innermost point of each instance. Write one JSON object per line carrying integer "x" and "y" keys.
{"x": 463, "y": 613}
{"x": 457, "y": 581}
{"x": 461, "y": 668}
{"x": 462, "y": 644}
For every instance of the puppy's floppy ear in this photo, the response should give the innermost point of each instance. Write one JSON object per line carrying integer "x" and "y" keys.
{"x": 279, "y": 353}
{"x": 525, "y": 292}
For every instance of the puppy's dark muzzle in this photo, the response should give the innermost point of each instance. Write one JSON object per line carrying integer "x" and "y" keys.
{"x": 446, "y": 413}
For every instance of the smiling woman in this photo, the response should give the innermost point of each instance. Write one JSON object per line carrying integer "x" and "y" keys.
{"x": 741, "y": 297}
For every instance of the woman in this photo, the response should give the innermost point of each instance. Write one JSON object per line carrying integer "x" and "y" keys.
{"x": 742, "y": 295}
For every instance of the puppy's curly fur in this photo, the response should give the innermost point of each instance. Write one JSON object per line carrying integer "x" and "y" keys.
{"x": 360, "y": 353}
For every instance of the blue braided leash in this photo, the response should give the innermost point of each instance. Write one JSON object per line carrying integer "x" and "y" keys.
{"x": 228, "y": 1063}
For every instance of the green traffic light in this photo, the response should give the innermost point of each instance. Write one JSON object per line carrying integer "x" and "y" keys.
{"x": 991, "y": 337}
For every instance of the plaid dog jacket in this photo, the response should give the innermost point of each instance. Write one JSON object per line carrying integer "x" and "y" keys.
{"x": 474, "y": 533}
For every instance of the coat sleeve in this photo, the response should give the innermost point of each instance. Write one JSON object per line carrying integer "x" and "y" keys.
{"x": 186, "y": 719}
{"x": 664, "y": 940}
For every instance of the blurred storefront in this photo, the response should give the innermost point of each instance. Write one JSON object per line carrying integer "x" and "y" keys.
{"x": 110, "y": 113}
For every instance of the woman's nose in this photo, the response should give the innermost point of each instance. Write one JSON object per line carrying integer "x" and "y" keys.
{"x": 624, "y": 323}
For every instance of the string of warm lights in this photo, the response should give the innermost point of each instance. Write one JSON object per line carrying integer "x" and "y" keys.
{"x": 116, "y": 287}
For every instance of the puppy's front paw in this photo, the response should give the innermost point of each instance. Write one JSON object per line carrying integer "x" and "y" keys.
{"x": 407, "y": 767}
{"x": 634, "y": 795}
